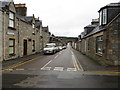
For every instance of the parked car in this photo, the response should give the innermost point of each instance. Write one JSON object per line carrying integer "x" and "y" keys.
{"x": 60, "y": 48}
{"x": 64, "y": 47}
{"x": 50, "y": 48}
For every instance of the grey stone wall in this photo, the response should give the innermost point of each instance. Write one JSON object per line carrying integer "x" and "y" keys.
{"x": 9, "y": 33}
{"x": 113, "y": 42}
{"x": 46, "y": 38}
{"x": 1, "y": 38}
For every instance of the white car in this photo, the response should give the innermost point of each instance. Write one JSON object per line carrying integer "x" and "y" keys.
{"x": 50, "y": 48}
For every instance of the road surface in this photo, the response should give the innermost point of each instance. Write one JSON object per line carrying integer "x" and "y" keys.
{"x": 61, "y": 70}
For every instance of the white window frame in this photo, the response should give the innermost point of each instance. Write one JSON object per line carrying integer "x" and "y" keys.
{"x": 11, "y": 46}
{"x": 11, "y": 19}
{"x": 100, "y": 17}
{"x": 104, "y": 20}
{"x": 99, "y": 44}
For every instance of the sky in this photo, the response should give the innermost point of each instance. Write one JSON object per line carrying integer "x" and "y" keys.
{"x": 65, "y": 17}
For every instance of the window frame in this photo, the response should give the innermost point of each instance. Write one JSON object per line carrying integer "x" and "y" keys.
{"x": 33, "y": 45}
{"x": 104, "y": 20}
{"x": 12, "y": 46}
{"x": 11, "y": 19}
{"x": 99, "y": 44}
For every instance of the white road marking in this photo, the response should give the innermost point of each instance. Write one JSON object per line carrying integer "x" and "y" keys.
{"x": 46, "y": 68}
{"x": 46, "y": 64}
{"x": 56, "y": 57}
{"x": 58, "y": 69}
{"x": 71, "y": 69}
{"x": 21, "y": 69}
{"x": 10, "y": 69}
{"x": 72, "y": 53}
{"x": 31, "y": 69}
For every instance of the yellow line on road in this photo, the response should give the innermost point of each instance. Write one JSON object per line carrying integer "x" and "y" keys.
{"x": 75, "y": 63}
{"x": 17, "y": 65}
{"x": 101, "y": 72}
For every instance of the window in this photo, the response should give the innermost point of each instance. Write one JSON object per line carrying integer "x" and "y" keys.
{"x": 11, "y": 19}
{"x": 33, "y": 45}
{"x": 99, "y": 44}
{"x": 100, "y": 17}
{"x": 104, "y": 16}
{"x": 33, "y": 25}
{"x": 11, "y": 46}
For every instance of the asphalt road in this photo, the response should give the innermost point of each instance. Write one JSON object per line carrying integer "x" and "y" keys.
{"x": 61, "y": 70}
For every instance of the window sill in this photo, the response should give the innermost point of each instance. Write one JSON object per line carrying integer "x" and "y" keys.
{"x": 33, "y": 50}
{"x": 99, "y": 54}
{"x": 33, "y": 33}
{"x": 11, "y": 55}
{"x": 12, "y": 28}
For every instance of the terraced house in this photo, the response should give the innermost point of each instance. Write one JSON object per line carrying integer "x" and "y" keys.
{"x": 20, "y": 34}
{"x": 101, "y": 42}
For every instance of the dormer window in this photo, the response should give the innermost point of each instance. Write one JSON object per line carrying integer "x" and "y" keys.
{"x": 103, "y": 17}
{"x": 33, "y": 25}
{"x": 11, "y": 19}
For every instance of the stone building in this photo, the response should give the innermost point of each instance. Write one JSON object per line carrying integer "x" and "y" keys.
{"x": 20, "y": 35}
{"x": 10, "y": 32}
{"x": 1, "y": 33}
{"x": 102, "y": 42}
{"x": 46, "y": 35}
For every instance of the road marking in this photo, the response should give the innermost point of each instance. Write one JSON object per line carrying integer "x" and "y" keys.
{"x": 20, "y": 64}
{"x": 60, "y": 53}
{"x": 46, "y": 64}
{"x": 58, "y": 69}
{"x": 71, "y": 69}
{"x": 32, "y": 69}
{"x": 21, "y": 69}
{"x": 10, "y": 69}
{"x": 46, "y": 68}
{"x": 75, "y": 61}
{"x": 56, "y": 57}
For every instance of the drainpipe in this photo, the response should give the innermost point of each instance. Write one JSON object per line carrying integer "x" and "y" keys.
{"x": 18, "y": 37}
{"x": 3, "y": 35}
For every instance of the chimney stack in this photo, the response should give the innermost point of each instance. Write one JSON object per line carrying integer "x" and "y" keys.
{"x": 21, "y": 9}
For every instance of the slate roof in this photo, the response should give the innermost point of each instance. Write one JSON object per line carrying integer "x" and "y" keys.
{"x": 90, "y": 26}
{"x": 25, "y": 18}
{"x": 38, "y": 23}
{"x": 4, "y": 4}
{"x": 111, "y": 5}
{"x": 45, "y": 29}
{"x": 96, "y": 30}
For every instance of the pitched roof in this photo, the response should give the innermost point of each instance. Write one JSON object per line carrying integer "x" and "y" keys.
{"x": 4, "y": 4}
{"x": 90, "y": 26}
{"x": 111, "y": 5}
{"x": 45, "y": 29}
{"x": 38, "y": 23}
{"x": 97, "y": 29}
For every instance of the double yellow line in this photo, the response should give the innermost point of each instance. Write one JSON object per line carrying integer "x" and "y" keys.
{"x": 19, "y": 64}
{"x": 75, "y": 63}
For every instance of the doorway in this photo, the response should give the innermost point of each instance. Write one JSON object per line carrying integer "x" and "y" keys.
{"x": 25, "y": 48}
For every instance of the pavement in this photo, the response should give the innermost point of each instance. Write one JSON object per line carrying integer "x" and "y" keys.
{"x": 89, "y": 64}
{"x": 12, "y": 62}
{"x": 86, "y": 63}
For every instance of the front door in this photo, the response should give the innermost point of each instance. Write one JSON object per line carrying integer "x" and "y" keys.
{"x": 25, "y": 47}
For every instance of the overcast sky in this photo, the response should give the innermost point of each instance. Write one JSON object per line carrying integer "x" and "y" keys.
{"x": 65, "y": 17}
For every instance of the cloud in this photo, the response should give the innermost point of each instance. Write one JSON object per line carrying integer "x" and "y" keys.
{"x": 65, "y": 17}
